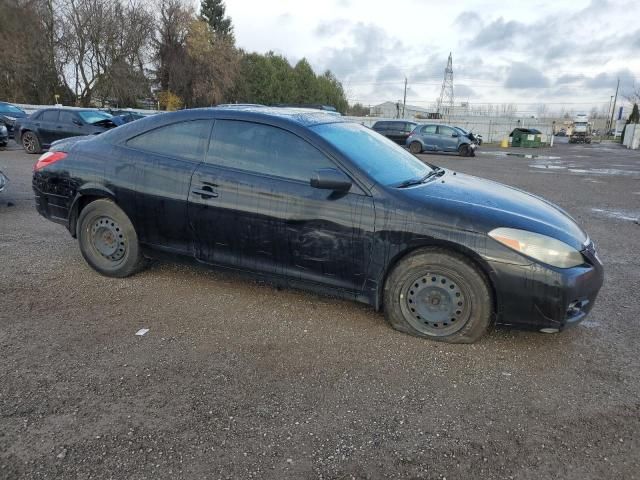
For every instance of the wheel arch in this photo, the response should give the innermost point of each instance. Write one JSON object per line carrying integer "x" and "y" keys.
{"x": 84, "y": 197}
{"x": 476, "y": 259}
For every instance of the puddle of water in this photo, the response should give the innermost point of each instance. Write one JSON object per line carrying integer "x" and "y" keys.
{"x": 545, "y": 166}
{"x": 604, "y": 171}
{"x": 520, "y": 155}
{"x": 618, "y": 214}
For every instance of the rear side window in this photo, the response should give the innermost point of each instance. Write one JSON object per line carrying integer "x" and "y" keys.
{"x": 429, "y": 129}
{"x": 408, "y": 127}
{"x": 185, "y": 140}
{"x": 49, "y": 116}
{"x": 381, "y": 126}
{"x": 264, "y": 149}
{"x": 66, "y": 117}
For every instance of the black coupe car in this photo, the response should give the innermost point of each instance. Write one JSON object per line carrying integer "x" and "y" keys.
{"x": 311, "y": 200}
{"x": 40, "y": 130}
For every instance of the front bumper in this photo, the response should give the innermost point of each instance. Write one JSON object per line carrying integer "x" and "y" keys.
{"x": 540, "y": 297}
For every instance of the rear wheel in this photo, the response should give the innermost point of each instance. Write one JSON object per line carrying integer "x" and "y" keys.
{"x": 31, "y": 143}
{"x": 438, "y": 294}
{"x": 108, "y": 240}
{"x": 415, "y": 147}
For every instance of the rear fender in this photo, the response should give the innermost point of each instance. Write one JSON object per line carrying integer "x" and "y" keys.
{"x": 85, "y": 195}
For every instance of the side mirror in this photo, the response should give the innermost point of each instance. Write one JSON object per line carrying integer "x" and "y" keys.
{"x": 454, "y": 135}
{"x": 77, "y": 122}
{"x": 330, "y": 179}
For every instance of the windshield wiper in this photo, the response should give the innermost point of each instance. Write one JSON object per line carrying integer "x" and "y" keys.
{"x": 437, "y": 171}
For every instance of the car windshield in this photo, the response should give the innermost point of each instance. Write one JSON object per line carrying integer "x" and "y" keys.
{"x": 6, "y": 108}
{"x": 94, "y": 117}
{"x": 386, "y": 162}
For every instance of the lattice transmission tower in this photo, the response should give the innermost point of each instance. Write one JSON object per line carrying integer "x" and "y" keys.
{"x": 445, "y": 101}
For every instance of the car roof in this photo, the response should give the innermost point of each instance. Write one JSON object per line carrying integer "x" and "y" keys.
{"x": 304, "y": 117}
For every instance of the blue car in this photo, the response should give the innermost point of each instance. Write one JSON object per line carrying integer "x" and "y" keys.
{"x": 440, "y": 138}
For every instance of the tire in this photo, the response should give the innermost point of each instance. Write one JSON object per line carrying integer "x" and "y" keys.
{"x": 108, "y": 240}
{"x": 31, "y": 142}
{"x": 463, "y": 151}
{"x": 415, "y": 147}
{"x": 438, "y": 294}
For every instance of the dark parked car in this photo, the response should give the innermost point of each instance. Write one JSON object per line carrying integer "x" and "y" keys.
{"x": 310, "y": 200}
{"x": 127, "y": 116}
{"x": 8, "y": 116}
{"x": 396, "y": 130}
{"x": 440, "y": 138}
{"x": 4, "y": 135}
{"x": 45, "y": 126}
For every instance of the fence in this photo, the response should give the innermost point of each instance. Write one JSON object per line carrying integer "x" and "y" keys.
{"x": 492, "y": 129}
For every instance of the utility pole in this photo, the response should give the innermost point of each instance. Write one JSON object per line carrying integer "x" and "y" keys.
{"x": 608, "y": 126}
{"x": 404, "y": 103}
{"x": 613, "y": 111}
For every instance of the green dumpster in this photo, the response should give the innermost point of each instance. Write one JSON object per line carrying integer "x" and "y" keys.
{"x": 526, "y": 137}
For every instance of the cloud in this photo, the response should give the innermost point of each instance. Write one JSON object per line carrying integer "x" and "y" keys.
{"x": 522, "y": 75}
{"x": 463, "y": 91}
{"x": 499, "y": 34}
{"x": 367, "y": 47}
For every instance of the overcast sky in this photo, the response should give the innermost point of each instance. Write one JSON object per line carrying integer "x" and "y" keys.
{"x": 562, "y": 53}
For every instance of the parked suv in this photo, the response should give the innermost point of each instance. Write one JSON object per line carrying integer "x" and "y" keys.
{"x": 396, "y": 130}
{"x": 440, "y": 138}
{"x": 45, "y": 126}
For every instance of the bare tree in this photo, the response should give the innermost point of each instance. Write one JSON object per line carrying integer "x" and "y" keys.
{"x": 105, "y": 46}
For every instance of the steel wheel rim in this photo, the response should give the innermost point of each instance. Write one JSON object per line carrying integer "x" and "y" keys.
{"x": 107, "y": 239}
{"x": 436, "y": 304}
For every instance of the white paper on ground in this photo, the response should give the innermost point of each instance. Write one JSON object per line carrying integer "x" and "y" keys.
{"x": 142, "y": 331}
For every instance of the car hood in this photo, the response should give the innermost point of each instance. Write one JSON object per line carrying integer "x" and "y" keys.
{"x": 14, "y": 114}
{"x": 485, "y": 205}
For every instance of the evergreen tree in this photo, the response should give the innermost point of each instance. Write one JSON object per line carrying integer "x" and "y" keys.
{"x": 213, "y": 12}
{"x": 635, "y": 114}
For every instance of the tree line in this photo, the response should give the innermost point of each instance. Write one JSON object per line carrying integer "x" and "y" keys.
{"x": 132, "y": 53}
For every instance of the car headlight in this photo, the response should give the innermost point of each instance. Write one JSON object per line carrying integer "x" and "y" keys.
{"x": 539, "y": 247}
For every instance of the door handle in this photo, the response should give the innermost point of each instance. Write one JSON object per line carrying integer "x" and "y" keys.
{"x": 205, "y": 192}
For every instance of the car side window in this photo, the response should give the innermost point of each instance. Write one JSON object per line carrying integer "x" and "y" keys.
{"x": 381, "y": 126}
{"x": 446, "y": 131}
{"x": 408, "y": 127}
{"x": 264, "y": 149}
{"x": 187, "y": 140}
{"x": 49, "y": 116}
{"x": 66, "y": 117}
{"x": 430, "y": 129}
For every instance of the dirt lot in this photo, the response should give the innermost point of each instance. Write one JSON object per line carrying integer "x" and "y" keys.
{"x": 237, "y": 379}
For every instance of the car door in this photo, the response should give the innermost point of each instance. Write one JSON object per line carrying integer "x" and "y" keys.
{"x": 47, "y": 125}
{"x": 428, "y": 133}
{"x": 154, "y": 174}
{"x": 447, "y": 139}
{"x": 69, "y": 125}
{"x": 252, "y": 207}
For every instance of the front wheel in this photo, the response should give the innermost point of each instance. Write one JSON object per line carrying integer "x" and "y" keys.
{"x": 465, "y": 151}
{"x": 108, "y": 240}
{"x": 31, "y": 143}
{"x": 440, "y": 295}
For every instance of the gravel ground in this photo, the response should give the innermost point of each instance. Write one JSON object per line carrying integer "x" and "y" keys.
{"x": 237, "y": 379}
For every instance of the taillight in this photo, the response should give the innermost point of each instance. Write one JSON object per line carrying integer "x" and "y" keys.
{"x": 48, "y": 159}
